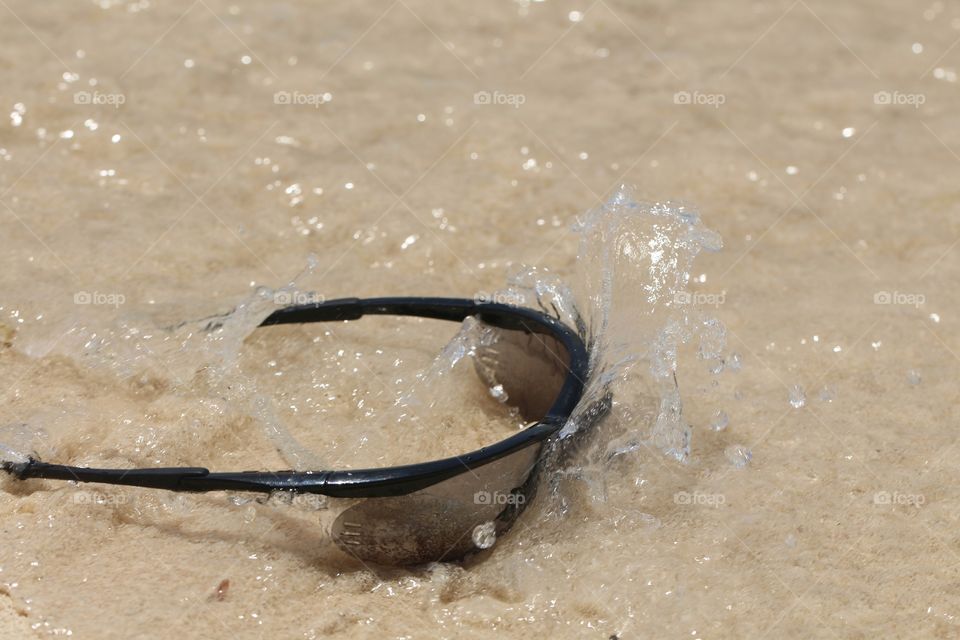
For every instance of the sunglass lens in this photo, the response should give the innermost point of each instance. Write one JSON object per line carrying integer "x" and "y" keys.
{"x": 528, "y": 368}
{"x": 442, "y": 522}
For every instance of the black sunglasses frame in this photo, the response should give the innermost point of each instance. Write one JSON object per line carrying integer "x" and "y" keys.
{"x": 364, "y": 483}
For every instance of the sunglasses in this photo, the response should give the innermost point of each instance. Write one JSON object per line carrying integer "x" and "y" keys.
{"x": 429, "y": 511}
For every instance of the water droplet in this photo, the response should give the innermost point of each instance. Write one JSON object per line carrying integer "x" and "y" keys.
{"x": 828, "y": 393}
{"x": 16, "y": 116}
{"x": 484, "y": 535}
{"x": 914, "y": 377}
{"x": 713, "y": 338}
{"x": 720, "y": 421}
{"x": 738, "y": 455}
{"x": 734, "y": 362}
{"x": 797, "y": 397}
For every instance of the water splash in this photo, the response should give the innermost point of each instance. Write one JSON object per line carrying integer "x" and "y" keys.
{"x": 628, "y": 299}
{"x": 195, "y": 359}
{"x": 633, "y": 270}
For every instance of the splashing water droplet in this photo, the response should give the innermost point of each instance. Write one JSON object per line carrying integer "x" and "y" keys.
{"x": 828, "y": 393}
{"x": 719, "y": 421}
{"x": 18, "y": 441}
{"x": 797, "y": 397}
{"x": 738, "y": 455}
{"x": 484, "y": 535}
{"x": 713, "y": 339}
{"x": 734, "y": 362}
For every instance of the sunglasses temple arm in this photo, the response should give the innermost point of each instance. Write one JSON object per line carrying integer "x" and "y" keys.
{"x": 175, "y": 478}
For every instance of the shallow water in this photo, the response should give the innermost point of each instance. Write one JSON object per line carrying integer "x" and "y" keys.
{"x": 170, "y": 173}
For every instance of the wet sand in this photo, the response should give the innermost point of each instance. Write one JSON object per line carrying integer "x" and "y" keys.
{"x": 159, "y": 162}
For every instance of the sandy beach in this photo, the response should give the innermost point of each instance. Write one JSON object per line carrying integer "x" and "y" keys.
{"x": 162, "y": 164}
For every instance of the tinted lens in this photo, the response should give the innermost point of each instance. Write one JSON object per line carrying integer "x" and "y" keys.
{"x": 529, "y": 367}
{"x": 442, "y": 522}
{"x": 467, "y": 512}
